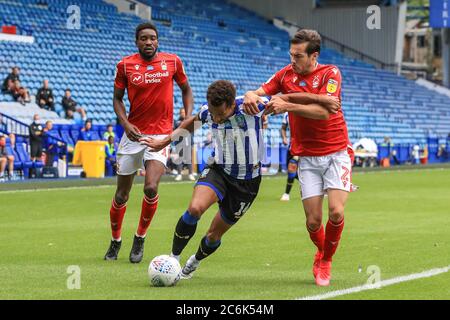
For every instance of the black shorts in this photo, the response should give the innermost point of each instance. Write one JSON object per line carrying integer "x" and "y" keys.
{"x": 36, "y": 150}
{"x": 235, "y": 195}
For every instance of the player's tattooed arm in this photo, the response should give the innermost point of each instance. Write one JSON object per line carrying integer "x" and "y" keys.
{"x": 184, "y": 131}
{"x": 131, "y": 131}
{"x": 252, "y": 99}
{"x": 188, "y": 98}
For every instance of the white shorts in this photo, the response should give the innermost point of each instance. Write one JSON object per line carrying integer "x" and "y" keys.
{"x": 131, "y": 156}
{"x": 318, "y": 174}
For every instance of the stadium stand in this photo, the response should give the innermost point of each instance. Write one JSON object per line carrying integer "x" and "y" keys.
{"x": 215, "y": 40}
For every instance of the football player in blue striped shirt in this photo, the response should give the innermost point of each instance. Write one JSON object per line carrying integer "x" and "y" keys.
{"x": 232, "y": 176}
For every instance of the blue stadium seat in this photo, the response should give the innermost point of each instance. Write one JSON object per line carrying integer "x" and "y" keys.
{"x": 376, "y": 102}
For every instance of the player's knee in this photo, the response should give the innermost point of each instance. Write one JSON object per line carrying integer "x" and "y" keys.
{"x": 121, "y": 197}
{"x": 313, "y": 224}
{"x": 196, "y": 210}
{"x": 336, "y": 213}
{"x": 151, "y": 190}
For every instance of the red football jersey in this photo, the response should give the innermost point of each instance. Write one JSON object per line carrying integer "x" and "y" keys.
{"x": 150, "y": 90}
{"x": 310, "y": 137}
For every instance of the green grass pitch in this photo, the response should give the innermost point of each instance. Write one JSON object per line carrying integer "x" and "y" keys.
{"x": 398, "y": 221}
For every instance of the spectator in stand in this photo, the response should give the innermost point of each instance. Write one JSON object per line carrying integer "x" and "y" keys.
{"x": 70, "y": 106}
{"x": 44, "y": 97}
{"x": 6, "y": 159}
{"x": 52, "y": 146}
{"x": 110, "y": 161}
{"x": 86, "y": 132}
{"x": 8, "y": 83}
{"x": 36, "y": 135}
{"x": 20, "y": 93}
{"x": 392, "y": 152}
{"x": 109, "y": 133}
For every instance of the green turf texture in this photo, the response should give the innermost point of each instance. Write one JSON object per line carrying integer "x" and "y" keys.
{"x": 399, "y": 221}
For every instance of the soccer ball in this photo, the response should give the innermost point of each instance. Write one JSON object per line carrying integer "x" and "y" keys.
{"x": 164, "y": 271}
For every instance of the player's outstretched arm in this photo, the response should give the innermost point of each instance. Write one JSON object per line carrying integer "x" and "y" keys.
{"x": 251, "y": 101}
{"x": 278, "y": 105}
{"x": 331, "y": 103}
{"x": 131, "y": 131}
{"x": 187, "y": 126}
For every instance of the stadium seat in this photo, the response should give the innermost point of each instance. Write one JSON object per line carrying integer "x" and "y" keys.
{"x": 376, "y": 102}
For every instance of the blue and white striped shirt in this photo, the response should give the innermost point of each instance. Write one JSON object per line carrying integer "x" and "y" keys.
{"x": 238, "y": 142}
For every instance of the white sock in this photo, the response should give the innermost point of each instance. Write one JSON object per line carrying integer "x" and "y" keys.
{"x": 175, "y": 256}
{"x": 195, "y": 260}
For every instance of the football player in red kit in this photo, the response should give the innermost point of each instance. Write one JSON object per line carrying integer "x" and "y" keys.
{"x": 148, "y": 77}
{"x": 323, "y": 145}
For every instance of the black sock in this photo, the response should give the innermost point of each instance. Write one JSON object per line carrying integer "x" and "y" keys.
{"x": 206, "y": 248}
{"x": 290, "y": 182}
{"x": 184, "y": 231}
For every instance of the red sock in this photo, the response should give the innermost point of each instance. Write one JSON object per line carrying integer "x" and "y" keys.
{"x": 332, "y": 236}
{"x": 317, "y": 237}
{"x": 148, "y": 211}
{"x": 116, "y": 214}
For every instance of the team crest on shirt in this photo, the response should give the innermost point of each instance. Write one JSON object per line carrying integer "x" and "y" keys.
{"x": 240, "y": 120}
{"x": 316, "y": 82}
{"x": 163, "y": 65}
{"x": 332, "y": 86}
{"x": 227, "y": 124}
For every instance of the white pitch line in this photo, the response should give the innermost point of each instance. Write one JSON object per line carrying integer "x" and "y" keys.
{"x": 100, "y": 186}
{"x": 381, "y": 284}
{"x": 79, "y": 188}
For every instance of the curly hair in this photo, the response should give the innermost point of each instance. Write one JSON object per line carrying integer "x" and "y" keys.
{"x": 145, "y": 25}
{"x": 221, "y": 91}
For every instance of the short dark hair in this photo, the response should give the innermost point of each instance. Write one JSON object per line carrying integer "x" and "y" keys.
{"x": 221, "y": 91}
{"x": 145, "y": 25}
{"x": 311, "y": 36}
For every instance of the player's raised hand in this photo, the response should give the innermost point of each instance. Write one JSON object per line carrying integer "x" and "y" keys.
{"x": 251, "y": 101}
{"x": 276, "y": 105}
{"x": 132, "y": 132}
{"x": 155, "y": 145}
{"x": 332, "y": 103}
